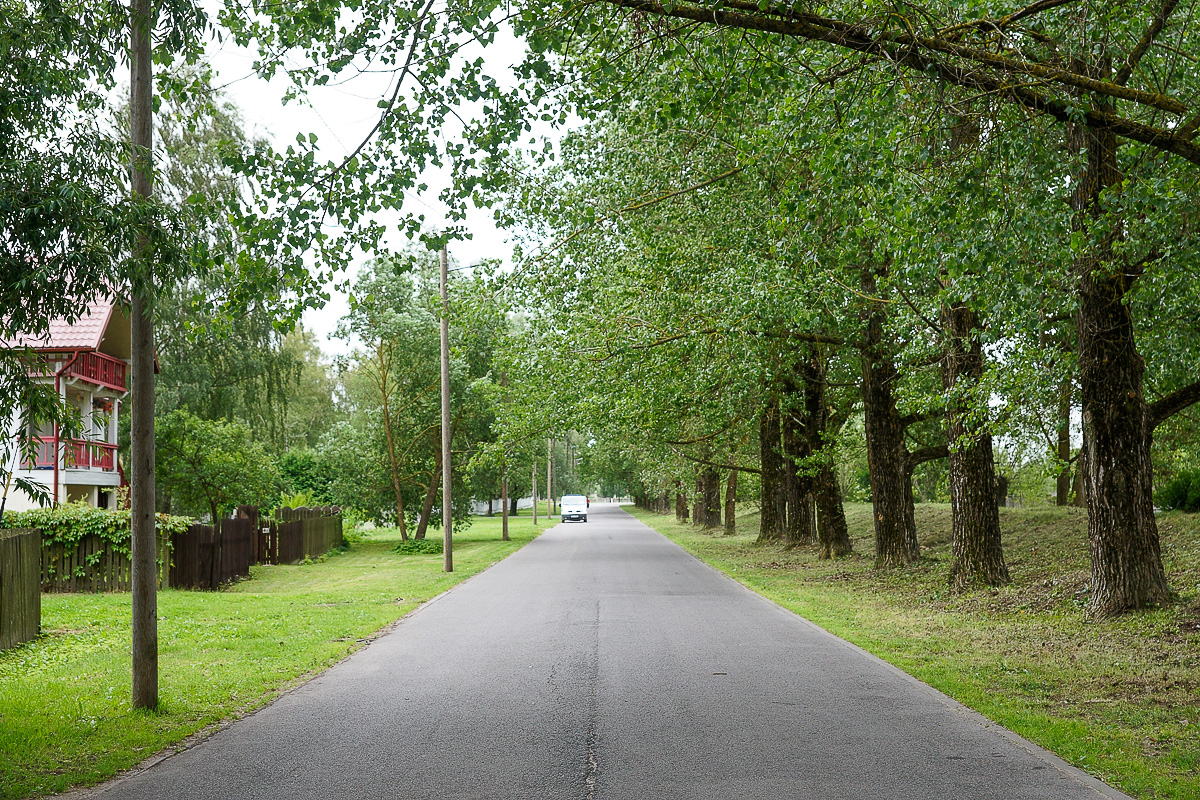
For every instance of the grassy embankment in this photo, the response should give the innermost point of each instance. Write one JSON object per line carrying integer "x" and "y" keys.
{"x": 1118, "y": 698}
{"x": 65, "y": 716}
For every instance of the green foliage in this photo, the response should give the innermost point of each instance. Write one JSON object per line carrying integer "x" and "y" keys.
{"x": 298, "y": 500}
{"x": 218, "y": 363}
{"x": 205, "y": 466}
{"x": 68, "y": 523}
{"x": 307, "y": 473}
{"x": 1181, "y": 493}
{"x": 418, "y": 546}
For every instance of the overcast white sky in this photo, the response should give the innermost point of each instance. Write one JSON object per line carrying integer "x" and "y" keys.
{"x": 341, "y": 116}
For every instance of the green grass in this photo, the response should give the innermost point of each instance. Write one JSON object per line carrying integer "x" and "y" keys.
{"x": 1118, "y": 698}
{"x": 65, "y": 715}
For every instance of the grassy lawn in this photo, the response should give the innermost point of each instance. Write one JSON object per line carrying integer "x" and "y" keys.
{"x": 1119, "y": 699}
{"x": 65, "y": 716}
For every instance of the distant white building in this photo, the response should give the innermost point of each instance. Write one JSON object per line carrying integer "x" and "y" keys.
{"x": 87, "y": 362}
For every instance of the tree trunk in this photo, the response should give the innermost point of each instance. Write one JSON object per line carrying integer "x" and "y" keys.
{"x": 711, "y": 496}
{"x": 833, "y": 535}
{"x": 533, "y": 489}
{"x": 887, "y": 456}
{"x": 731, "y": 503}
{"x": 143, "y": 537}
{"x": 978, "y": 554}
{"x": 430, "y": 497}
{"x": 384, "y": 359}
{"x": 681, "y": 505}
{"x": 1079, "y": 493}
{"x": 1127, "y": 570}
{"x": 770, "y": 524}
{"x": 798, "y": 482}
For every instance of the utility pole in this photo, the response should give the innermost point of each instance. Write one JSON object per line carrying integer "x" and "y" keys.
{"x": 504, "y": 475}
{"x": 549, "y": 477}
{"x": 447, "y": 507}
{"x": 143, "y": 539}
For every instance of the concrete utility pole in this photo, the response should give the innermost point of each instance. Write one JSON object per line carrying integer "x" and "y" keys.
{"x": 143, "y": 538}
{"x": 549, "y": 477}
{"x": 447, "y": 507}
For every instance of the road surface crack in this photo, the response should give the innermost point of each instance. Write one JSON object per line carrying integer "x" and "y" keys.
{"x": 593, "y": 765}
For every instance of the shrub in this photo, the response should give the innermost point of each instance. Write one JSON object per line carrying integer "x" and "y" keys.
{"x": 418, "y": 546}
{"x": 1181, "y": 493}
{"x": 68, "y": 523}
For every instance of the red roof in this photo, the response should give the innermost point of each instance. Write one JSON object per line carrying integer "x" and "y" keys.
{"x": 83, "y": 334}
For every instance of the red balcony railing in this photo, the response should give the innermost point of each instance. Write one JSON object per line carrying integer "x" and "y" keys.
{"x": 99, "y": 369}
{"x": 79, "y": 454}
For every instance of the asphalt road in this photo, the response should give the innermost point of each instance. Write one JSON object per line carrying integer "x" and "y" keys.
{"x": 601, "y": 661}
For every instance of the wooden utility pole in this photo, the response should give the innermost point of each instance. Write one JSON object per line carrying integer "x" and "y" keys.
{"x": 504, "y": 500}
{"x": 549, "y": 477}
{"x": 143, "y": 541}
{"x": 447, "y": 507}
{"x": 504, "y": 475}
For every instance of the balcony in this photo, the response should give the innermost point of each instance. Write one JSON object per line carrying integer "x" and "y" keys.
{"x": 79, "y": 453}
{"x": 99, "y": 369}
{"x": 88, "y": 365}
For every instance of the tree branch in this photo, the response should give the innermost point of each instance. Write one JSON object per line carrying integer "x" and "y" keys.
{"x": 893, "y": 45}
{"x": 1004, "y": 22}
{"x": 1135, "y": 55}
{"x": 913, "y": 52}
{"x": 643, "y": 204}
{"x": 913, "y": 419}
{"x": 928, "y": 454}
{"x": 1167, "y": 407}
{"x": 708, "y": 463}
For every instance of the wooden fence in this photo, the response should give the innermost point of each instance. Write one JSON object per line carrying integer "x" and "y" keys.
{"x": 92, "y": 565}
{"x": 299, "y": 533}
{"x": 20, "y": 586}
{"x": 205, "y": 557}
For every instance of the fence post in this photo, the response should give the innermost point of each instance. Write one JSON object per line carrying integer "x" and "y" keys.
{"x": 20, "y": 586}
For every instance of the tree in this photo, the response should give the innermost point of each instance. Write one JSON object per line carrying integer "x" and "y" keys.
{"x": 399, "y": 363}
{"x": 212, "y": 467}
{"x": 1114, "y": 75}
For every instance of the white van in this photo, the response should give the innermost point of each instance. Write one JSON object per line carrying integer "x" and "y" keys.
{"x": 574, "y": 507}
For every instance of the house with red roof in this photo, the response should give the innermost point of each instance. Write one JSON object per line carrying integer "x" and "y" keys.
{"x": 87, "y": 361}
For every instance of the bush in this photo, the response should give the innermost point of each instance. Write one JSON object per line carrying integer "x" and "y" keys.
{"x": 308, "y": 473}
{"x": 1182, "y": 493}
{"x": 418, "y": 546}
